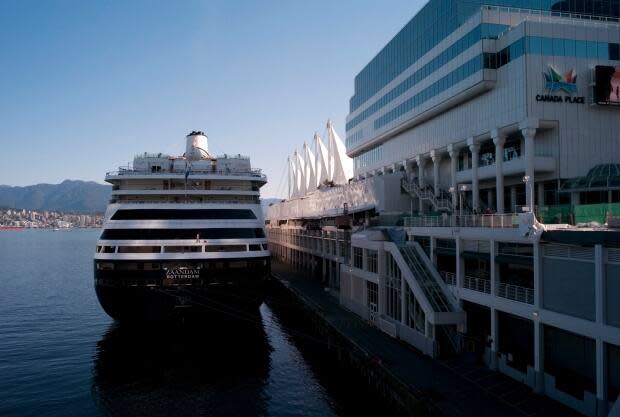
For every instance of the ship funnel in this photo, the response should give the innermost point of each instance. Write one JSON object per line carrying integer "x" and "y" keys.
{"x": 197, "y": 146}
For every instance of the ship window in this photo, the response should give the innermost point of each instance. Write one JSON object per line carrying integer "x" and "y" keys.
{"x": 255, "y": 247}
{"x": 151, "y": 234}
{"x": 105, "y": 266}
{"x": 180, "y": 214}
{"x": 265, "y": 247}
{"x": 225, "y": 248}
{"x": 109, "y": 249}
{"x": 138, "y": 249}
{"x": 182, "y": 249}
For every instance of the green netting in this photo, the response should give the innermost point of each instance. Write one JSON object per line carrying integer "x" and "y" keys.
{"x": 586, "y": 213}
{"x": 560, "y": 214}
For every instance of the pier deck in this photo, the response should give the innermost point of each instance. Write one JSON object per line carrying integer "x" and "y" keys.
{"x": 450, "y": 387}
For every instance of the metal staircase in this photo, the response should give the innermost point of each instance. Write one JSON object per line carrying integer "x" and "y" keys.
{"x": 439, "y": 298}
{"x": 429, "y": 285}
{"x": 443, "y": 202}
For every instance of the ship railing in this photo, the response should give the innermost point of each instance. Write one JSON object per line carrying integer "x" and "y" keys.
{"x": 469, "y": 220}
{"x": 186, "y": 202}
{"x": 251, "y": 173}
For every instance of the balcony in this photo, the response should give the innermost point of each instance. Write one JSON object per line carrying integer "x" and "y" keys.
{"x": 477, "y": 284}
{"x": 516, "y": 293}
{"x": 514, "y": 166}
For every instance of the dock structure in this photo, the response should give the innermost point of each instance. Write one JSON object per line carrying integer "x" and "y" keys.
{"x": 404, "y": 376}
{"x": 482, "y": 216}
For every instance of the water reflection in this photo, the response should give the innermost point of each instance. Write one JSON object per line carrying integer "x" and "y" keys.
{"x": 218, "y": 369}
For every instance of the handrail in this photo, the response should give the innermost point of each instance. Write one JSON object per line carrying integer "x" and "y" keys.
{"x": 448, "y": 277}
{"x": 516, "y": 293}
{"x": 429, "y": 286}
{"x": 503, "y": 221}
{"x": 548, "y": 15}
{"x": 477, "y": 284}
{"x": 122, "y": 172}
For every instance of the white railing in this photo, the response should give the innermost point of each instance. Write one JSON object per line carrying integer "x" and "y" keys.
{"x": 188, "y": 201}
{"x": 448, "y": 277}
{"x": 516, "y": 293}
{"x": 477, "y": 284}
{"x": 552, "y": 16}
{"x": 123, "y": 172}
{"x": 470, "y": 220}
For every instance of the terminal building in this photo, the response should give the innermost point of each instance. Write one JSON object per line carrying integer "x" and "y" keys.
{"x": 482, "y": 216}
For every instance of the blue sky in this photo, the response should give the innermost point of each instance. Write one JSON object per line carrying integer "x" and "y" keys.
{"x": 85, "y": 85}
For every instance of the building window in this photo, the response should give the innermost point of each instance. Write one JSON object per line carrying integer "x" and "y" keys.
{"x": 358, "y": 258}
{"x": 371, "y": 260}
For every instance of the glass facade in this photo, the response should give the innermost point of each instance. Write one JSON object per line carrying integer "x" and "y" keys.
{"x": 536, "y": 45}
{"x": 483, "y": 31}
{"x": 437, "y": 20}
{"x": 445, "y": 83}
{"x": 369, "y": 157}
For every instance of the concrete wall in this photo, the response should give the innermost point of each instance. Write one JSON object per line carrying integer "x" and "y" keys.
{"x": 568, "y": 287}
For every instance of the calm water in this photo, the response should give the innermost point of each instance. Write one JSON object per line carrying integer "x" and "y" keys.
{"x": 60, "y": 355}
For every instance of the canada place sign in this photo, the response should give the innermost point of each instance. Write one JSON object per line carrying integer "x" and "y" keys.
{"x": 556, "y": 82}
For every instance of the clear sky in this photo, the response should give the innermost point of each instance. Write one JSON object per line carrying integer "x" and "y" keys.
{"x": 85, "y": 85}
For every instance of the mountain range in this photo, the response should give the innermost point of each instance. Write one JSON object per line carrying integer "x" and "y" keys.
{"x": 68, "y": 196}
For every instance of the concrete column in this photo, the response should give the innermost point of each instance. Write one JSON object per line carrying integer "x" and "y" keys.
{"x": 499, "y": 140}
{"x": 494, "y": 341}
{"x": 475, "y": 191}
{"x": 513, "y": 199}
{"x": 601, "y": 379}
{"x": 575, "y": 198}
{"x": 540, "y": 194}
{"x": 538, "y": 302}
{"x": 404, "y": 294}
{"x": 454, "y": 156}
{"x": 459, "y": 264}
{"x": 539, "y": 382}
{"x": 599, "y": 284}
{"x": 494, "y": 274}
{"x": 382, "y": 278}
{"x": 421, "y": 162}
{"x": 528, "y": 136}
{"x": 436, "y": 158}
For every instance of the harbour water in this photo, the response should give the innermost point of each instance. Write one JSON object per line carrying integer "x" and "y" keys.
{"x": 60, "y": 355}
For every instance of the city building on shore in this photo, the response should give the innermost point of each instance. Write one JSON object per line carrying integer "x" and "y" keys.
{"x": 482, "y": 216}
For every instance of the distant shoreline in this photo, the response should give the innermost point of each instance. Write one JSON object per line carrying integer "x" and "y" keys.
{"x": 20, "y": 228}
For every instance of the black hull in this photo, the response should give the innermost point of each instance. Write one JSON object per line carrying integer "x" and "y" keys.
{"x": 137, "y": 291}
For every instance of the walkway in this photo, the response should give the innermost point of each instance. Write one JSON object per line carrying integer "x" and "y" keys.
{"x": 453, "y": 387}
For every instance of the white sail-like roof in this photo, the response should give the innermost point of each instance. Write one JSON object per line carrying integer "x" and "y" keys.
{"x": 292, "y": 178}
{"x": 322, "y": 161}
{"x": 310, "y": 170}
{"x": 301, "y": 175}
{"x": 342, "y": 165}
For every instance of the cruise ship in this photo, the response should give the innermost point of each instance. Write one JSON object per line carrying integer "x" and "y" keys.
{"x": 182, "y": 231}
{"x": 481, "y": 218}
